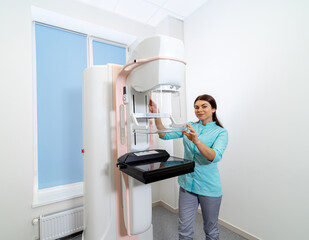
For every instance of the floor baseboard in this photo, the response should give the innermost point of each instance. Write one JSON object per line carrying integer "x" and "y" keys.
{"x": 237, "y": 230}
{"x": 165, "y": 205}
{"x": 221, "y": 222}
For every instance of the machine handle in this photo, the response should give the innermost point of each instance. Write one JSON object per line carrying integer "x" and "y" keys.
{"x": 136, "y": 125}
{"x": 174, "y": 123}
{"x": 153, "y": 115}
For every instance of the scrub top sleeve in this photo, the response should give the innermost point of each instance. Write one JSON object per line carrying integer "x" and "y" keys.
{"x": 172, "y": 135}
{"x": 220, "y": 145}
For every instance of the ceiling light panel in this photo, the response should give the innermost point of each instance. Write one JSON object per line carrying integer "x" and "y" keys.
{"x": 183, "y": 7}
{"x": 108, "y": 5}
{"x": 138, "y": 10}
{"x": 157, "y": 2}
{"x": 150, "y": 12}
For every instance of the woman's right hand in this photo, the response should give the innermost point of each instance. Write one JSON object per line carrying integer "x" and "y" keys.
{"x": 152, "y": 106}
{"x": 154, "y": 109}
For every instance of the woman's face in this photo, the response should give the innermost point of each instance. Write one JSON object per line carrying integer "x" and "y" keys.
{"x": 204, "y": 111}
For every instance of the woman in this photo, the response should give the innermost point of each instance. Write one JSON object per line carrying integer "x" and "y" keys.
{"x": 204, "y": 143}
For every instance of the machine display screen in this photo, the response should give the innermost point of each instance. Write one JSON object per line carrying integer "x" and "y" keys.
{"x": 171, "y": 162}
{"x": 151, "y": 166}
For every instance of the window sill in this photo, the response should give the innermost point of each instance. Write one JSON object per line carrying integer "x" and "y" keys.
{"x": 57, "y": 194}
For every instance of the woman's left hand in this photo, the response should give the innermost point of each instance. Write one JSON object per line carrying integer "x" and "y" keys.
{"x": 192, "y": 135}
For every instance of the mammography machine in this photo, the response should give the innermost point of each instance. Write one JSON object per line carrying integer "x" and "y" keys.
{"x": 120, "y": 160}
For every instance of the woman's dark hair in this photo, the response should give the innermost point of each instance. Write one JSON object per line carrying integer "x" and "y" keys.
{"x": 213, "y": 104}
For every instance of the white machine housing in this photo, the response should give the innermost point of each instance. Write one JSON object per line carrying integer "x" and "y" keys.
{"x": 161, "y": 72}
{"x": 162, "y": 68}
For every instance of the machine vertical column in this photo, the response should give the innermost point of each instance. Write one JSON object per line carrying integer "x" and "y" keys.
{"x": 134, "y": 212}
{"x": 98, "y": 165}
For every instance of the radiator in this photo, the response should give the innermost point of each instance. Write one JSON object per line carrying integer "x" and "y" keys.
{"x": 61, "y": 224}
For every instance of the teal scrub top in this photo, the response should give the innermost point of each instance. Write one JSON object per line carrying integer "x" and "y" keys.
{"x": 205, "y": 180}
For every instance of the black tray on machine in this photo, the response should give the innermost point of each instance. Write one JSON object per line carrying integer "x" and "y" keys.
{"x": 153, "y": 165}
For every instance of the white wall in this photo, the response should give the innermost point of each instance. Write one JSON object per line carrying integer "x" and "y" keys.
{"x": 252, "y": 56}
{"x": 16, "y": 104}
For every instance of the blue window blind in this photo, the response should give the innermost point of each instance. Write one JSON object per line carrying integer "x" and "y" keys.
{"x": 61, "y": 57}
{"x": 104, "y": 53}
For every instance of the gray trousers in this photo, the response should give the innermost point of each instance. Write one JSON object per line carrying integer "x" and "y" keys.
{"x": 188, "y": 205}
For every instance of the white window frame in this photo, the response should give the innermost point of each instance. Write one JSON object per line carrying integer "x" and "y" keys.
{"x": 69, "y": 191}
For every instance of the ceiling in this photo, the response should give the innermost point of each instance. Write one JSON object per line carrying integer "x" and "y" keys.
{"x": 150, "y": 12}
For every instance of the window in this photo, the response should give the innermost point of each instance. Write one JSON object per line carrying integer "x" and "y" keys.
{"x": 61, "y": 57}
{"x": 104, "y": 53}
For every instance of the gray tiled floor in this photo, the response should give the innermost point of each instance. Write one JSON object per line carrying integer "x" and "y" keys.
{"x": 165, "y": 227}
